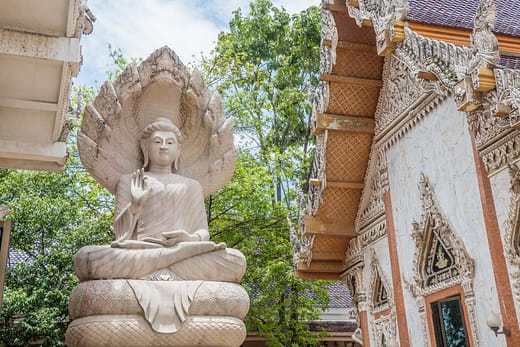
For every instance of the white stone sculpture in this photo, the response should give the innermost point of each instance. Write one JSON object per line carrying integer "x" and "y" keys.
{"x": 158, "y": 139}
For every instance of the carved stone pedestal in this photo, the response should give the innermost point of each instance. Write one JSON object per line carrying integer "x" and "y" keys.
{"x": 134, "y": 331}
{"x": 108, "y": 313}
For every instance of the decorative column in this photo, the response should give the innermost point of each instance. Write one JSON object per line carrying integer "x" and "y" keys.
{"x": 402, "y": 324}
{"x": 396, "y": 272}
{"x": 496, "y": 250}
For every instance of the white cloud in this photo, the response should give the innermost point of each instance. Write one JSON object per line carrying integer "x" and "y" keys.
{"x": 139, "y": 27}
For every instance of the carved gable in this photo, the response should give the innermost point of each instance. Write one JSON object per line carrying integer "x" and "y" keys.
{"x": 381, "y": 305}
{"x": 381, "y": 297}
{"x": 437, "y": 261}
{"x": 402, "y": 89}
{"x": 440, "y": 259}
{"x": 380, "y": 294}
{"x": 512, "y": 234}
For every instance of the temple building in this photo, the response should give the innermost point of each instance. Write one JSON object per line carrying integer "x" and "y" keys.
{"x": 414, "y": 195}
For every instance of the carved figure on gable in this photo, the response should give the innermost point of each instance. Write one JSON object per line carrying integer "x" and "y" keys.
{"x": 158, "y": 139}
{"x": 482, "y": 39}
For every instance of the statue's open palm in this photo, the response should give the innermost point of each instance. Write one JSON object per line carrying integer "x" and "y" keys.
{"x": 139, "y": 191}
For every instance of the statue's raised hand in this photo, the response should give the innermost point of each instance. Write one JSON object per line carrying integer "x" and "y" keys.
{"x": 139, "y": 191}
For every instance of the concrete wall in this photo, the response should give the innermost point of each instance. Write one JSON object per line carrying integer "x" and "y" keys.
{"x": 381, "y": 250}
{"x": 502, "y": 197}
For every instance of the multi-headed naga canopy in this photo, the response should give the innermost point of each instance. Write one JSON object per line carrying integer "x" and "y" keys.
{"x": 161, "y": 86}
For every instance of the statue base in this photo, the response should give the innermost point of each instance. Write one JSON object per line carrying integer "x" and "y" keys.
{"x": 135, "y": 331}
{"x": 107, "y": 313}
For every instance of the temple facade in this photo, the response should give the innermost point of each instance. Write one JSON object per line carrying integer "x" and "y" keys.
{"x": 414, "y": 195}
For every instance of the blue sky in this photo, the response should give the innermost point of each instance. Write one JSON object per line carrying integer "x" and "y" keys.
{"x": 138, "y": 27}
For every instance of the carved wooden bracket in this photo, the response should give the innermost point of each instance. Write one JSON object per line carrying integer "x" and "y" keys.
{"x": 468, "y": 91}
{"x": 486, "y": 79}
{"x": 353, "y": 3}
{"x": 325, "y": 121}
{"x": 387, "y": 39}
{"x": 502, "y": 110}
{"x": 467, "y": 98}
{"x": 315, "y": 226}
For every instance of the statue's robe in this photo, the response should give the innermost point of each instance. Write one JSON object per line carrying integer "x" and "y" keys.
{"x": 174, "y": 203}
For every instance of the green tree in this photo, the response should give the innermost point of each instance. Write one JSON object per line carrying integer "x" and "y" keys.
{"x": 53, "y": 215}
{"x": 263, "y": 68}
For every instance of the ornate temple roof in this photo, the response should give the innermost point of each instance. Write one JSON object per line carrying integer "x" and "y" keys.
{"x": 339, "y": 295}
{"x": 17, "y": 257}
{"x": 363, "y": 41}
{"x": 460, "y": 14}
{"x": 512, "y": 62}
{"x": 343, "y": 117}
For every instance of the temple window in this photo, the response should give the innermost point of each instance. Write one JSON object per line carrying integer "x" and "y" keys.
{"x": 448, "y": 322}
{"x": 443, "y": 277}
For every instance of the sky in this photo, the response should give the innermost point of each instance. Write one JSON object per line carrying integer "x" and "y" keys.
{"x": 138, "y": 27}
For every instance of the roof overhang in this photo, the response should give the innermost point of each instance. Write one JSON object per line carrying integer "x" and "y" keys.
{"x": 508, "y": 45}
{"x": 344, "y": 125}
{"x": 39, "y": 54}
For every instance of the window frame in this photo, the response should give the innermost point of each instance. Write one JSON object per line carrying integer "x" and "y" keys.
{"x": 446, "y": 294}
{"x": 438, "y": 322}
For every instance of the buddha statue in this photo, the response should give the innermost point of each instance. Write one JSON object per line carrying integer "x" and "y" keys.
{"x": 155, "y": 207}
{"x": 161, "y": 281}
{"x": 160, "y": 223}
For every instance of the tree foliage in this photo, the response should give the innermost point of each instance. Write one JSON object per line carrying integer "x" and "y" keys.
{"x": 263, "y": 68}
{"x": 53, "y": 215}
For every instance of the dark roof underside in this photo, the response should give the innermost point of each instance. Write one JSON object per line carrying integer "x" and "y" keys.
{"x": 332, "y": 327}
{"x": 460, "y": 14}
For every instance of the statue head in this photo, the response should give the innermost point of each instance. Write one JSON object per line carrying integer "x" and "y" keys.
{"x": 160, "y": 143}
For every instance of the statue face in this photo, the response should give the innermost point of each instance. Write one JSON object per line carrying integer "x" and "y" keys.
{"x": 163, "y": 148}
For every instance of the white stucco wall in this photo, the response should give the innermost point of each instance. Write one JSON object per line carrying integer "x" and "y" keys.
{"x": 502, "y": 195}
{"x": 382, "y": 252}
{"x": 440, "y": 147}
